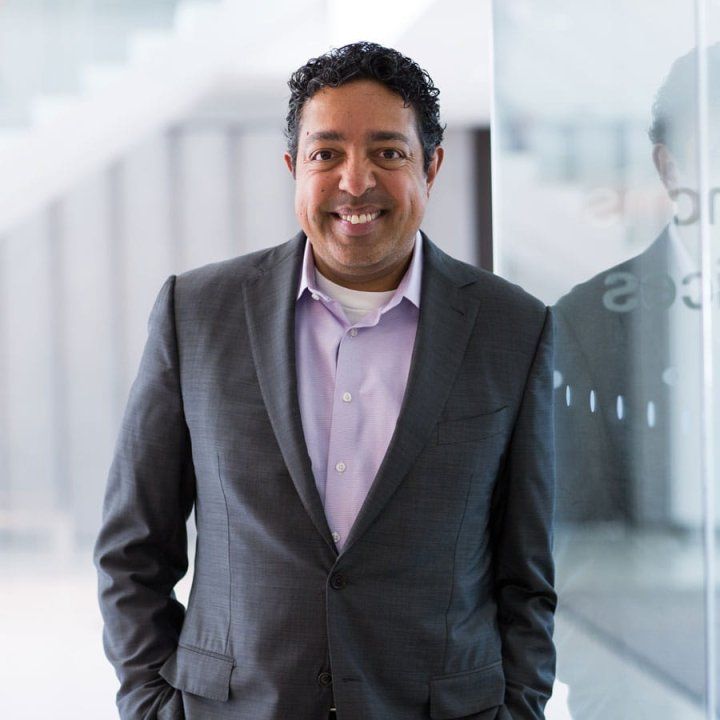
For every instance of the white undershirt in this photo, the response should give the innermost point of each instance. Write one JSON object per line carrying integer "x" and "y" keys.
{"x": 355, "y": 303}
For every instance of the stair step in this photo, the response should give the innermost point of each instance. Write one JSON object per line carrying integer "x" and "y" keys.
{"x": 11, "y": 137}
{"x": 146, "y": 45}
{"x": 100, "y": 76}
{"x": 48, "y": 108}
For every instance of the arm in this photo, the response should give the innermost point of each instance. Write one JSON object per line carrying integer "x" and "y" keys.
{"x": 522, "y": 530}
{"x": 141, "y": 550}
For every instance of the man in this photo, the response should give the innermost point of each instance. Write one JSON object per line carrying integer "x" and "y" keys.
{"x": 363, "y": 425}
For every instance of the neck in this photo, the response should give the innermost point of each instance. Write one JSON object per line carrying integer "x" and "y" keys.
{"x": 690, "y": 238}
{"x": 379, "y": 283}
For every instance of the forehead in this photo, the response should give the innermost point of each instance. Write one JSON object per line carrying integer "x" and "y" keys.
{"x": 358, "y": 107}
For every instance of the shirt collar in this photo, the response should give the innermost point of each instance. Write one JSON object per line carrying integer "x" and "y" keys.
{"x": 409, "y": 286}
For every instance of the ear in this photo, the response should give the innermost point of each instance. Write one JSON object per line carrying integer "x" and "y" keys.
{"x": 435, "y": 164}
{"x": 666, "y": 166}
{"x": 289, "y": 163}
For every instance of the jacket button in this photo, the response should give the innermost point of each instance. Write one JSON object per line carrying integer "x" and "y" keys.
{"x": 325, "y": 679}
{"x": 337, "y": 581}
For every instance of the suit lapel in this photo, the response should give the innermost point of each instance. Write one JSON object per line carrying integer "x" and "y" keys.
{"x": 447, "y": 317}
{"x": 270, "y": 311}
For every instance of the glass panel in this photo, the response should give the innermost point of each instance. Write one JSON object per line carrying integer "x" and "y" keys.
{"x": 597, "y": 213}
{"x": 710, "y": 149}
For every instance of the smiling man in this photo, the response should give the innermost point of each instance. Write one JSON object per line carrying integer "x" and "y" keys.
{"x": 363, "y": 427}
{"x": 362, "y": 183}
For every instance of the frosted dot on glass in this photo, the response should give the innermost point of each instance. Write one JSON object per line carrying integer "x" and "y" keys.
{"x": 592, "y": 401}
{"x": 651, "y": 414}
{"x": 557, "y": 379}
{"x": 670, "y": 375}
{"x": 620, "y": 407}
{"x": 568, "y": 395}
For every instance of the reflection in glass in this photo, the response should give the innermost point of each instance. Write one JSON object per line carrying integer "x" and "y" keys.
{"x": 596, "y": 126}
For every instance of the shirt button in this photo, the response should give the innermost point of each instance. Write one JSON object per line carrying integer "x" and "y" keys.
{"x": 336, "y": 536}
{"x": 341, "y": 467}
{"x": 347, "y": 397}
{"x": 315, "y": 296}
{"x": 353, "y": 332}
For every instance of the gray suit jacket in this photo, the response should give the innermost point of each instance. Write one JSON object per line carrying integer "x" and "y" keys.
{"x": 441, "y": 603}
{"x": 612, "y": 336}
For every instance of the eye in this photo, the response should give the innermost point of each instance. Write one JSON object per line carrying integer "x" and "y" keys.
{"x": 391, "y": 154}
{"x": 322, "y": 155}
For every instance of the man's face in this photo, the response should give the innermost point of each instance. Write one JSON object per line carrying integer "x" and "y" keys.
{"x": 361, "y": 190}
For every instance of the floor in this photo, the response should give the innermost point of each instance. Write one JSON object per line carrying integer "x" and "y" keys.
{"x": 629, "y": 631}
{"x": 630, "y": 626}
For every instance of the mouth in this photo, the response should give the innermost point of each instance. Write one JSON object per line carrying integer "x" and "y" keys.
{"x": 359, "y": 218}
{"x": 357, "y": 223}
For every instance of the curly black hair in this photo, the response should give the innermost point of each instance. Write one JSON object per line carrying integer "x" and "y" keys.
{"x": 368, "y": 61}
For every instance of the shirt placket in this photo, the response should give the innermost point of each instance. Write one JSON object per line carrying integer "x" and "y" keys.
{"x": 347, "y": 459}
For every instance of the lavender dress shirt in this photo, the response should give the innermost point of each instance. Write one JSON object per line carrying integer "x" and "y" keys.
{"x": 351, "y": 382}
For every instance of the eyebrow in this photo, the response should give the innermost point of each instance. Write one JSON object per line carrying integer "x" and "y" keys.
{"x": 375, "y": 136}
{"x": 325, "y": 135}
{"x": 382, "y": 135}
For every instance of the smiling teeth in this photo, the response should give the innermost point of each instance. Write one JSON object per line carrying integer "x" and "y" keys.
{"x": 364, "y": 218}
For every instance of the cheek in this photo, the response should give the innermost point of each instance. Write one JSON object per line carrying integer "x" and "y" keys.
{"x": 314, "y": 198}
{"x": 300, "y": 206}
{"x": 304, "y": 203}
{"x": 415, "y": 205}
{"x": 414, "y": 192}
{"x": 421, "y": 197}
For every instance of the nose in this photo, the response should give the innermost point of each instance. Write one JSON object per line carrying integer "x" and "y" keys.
{"x": 356, "y": 176}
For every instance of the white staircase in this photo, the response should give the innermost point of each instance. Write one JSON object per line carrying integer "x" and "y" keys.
{"x": 103, "y": 193}
{"x": 166, "y": 74}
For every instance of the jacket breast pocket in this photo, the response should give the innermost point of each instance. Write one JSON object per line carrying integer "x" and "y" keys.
{"x": 199, "y": 672}
{"x": 474, "y": 691}
{"x": 472, "y": 428}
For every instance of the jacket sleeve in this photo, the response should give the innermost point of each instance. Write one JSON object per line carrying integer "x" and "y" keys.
{"x": 141, "y": 550}
{"x": 522, "y": 527}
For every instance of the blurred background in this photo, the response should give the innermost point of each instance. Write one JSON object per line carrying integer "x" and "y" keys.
{"x": 140, "y": 138}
